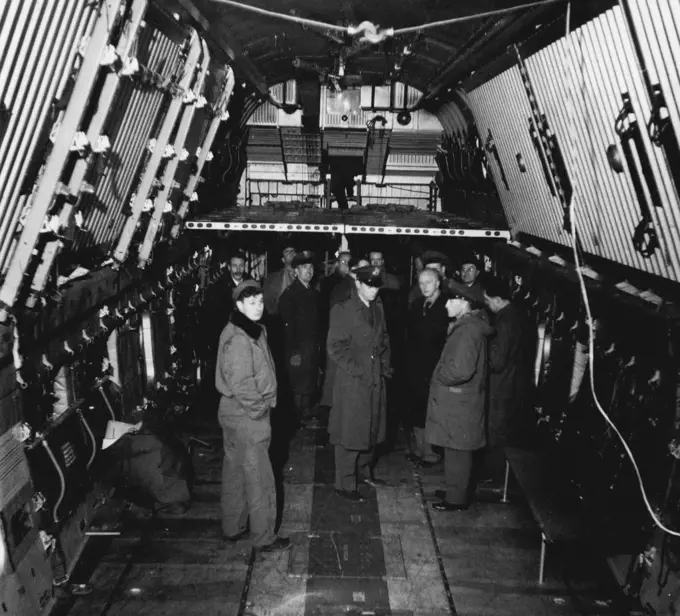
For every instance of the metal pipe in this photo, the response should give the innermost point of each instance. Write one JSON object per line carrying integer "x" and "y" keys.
{"x": 62, "y": 481}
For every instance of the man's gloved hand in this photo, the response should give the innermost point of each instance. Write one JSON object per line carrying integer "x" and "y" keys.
{"x": 295, "y": 360}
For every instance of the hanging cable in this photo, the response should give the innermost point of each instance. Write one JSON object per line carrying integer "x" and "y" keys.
{"x": 458, "y": 20}
{"x": 274, "y": 15}
{"x": 571, "y": 96}
{"x": 367, "y": 32}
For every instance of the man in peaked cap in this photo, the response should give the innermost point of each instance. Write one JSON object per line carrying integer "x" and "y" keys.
{"x": 299, "y": 311}
{"x": 358, "y": 345}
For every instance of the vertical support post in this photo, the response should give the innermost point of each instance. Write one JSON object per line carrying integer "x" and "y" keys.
{"x": 327, "y": 196}
{"x": 42, "y": 198}
{"x": 171, "y": 167}
{"x": 283, "y": 155}
{"x": 505, "y": 482}
{"x": 94, "y": 130}
{"x": 541, "y": 566}
{"x": 120, "y": 254}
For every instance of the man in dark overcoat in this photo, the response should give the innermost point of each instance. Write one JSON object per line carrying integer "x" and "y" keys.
{"x": 341, "y": 293}
{"x": 358, "y": 345}
{"x": 511, "y": 356}
{"x": 299, "y": 311}
{"x": 428, "y": 322}
{"x": 457, "y": 403}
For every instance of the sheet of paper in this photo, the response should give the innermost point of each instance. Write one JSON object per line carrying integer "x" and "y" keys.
{"x": 14, "y": 472}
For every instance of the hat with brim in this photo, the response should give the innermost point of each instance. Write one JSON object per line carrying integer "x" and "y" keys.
{"x": 472, "y": 260}
{"x": 458, "y": 289}
{"x": 242, "y": 286}
{"x": 302, "y": 258}
{"x": 434, "y": 256}
{"x": 372, "y": 276}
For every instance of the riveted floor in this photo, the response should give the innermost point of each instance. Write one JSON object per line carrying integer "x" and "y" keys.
{"x": 392, "y": 554}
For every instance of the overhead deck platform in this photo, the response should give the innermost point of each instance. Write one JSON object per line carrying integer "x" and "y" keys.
{"x": 315, "y": 220}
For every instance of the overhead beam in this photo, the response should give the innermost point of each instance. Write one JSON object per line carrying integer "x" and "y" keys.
{"x": 428, "y": 40}
{"x": 220, "y": 35}
{"x": 482, "y": 46}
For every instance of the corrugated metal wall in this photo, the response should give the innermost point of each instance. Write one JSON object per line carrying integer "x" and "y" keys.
{"x": 39, "y": 42}
{"x": 134, "y": 121}
{"x": 581, "y": 117}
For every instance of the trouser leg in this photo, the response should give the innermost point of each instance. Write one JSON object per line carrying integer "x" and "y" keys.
{"x": 494, "y": 460}
{"x": 345, "y": 469}
{"x": 423, "y": 449}
{"x": 457, "y": 472}
{"x": 232, "y": 500}
{"x": 366, "y": 463}
{"x": 303, "y": 405}
{"x": 260, "y": 488}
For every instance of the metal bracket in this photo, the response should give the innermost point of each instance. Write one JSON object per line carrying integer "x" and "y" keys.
{"x": 546, "y": 144}
{"x": 220, "y": 115}
{"x": 645, "y": 238}
{"x": 76, "y": 184}
{"x": 171, "y": 166}
{"x": 59, "y": 155}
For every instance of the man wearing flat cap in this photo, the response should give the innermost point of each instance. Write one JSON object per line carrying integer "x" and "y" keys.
{"x": 299, "y": 311}
{"x": 358, "y": 345}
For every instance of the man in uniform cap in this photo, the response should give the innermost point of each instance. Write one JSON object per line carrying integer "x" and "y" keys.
{"x": 358, "y": 345}
{"x": 299, "y": 311}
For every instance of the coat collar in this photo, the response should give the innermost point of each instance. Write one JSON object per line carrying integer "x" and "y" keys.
{"x": 254, "y": 330}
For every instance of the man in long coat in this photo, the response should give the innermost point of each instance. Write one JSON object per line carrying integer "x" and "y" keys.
{"x": 511, "y": 356}
{"x": 299, "y": 310}
{"x": 358, "y": 345}
{"x": 428, "y": 323}
{"x": 456, "y": 408}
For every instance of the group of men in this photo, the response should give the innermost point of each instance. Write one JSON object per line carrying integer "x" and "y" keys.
{"x": 348, "y": 327}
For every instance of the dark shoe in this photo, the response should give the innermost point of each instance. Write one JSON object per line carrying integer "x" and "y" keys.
{"x": 355, "y": 497}
{"x": 424, "y": 464}
{"x": 373, "y": 482}
{"x": 235, "y": 538}
{"x": 278, "y": 545}
{"x": 446, "y": 506}
{"x": 440, "y": 494}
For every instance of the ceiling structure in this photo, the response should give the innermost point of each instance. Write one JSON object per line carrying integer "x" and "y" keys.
{"x": 267, "y": 50}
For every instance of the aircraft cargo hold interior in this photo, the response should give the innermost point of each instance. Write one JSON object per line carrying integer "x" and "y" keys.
{"x": 339, "y": 308}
